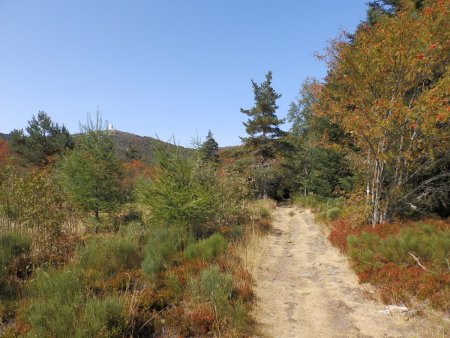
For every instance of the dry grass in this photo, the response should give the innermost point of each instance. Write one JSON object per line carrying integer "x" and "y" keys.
{"x": 437, "y": 326}
{"x": 249, "y": 248}
{"x": 249, "y": 251}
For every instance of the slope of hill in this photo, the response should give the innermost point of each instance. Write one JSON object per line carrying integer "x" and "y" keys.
{"x": 129, "y": 146}
{"x": 4, "y": 136}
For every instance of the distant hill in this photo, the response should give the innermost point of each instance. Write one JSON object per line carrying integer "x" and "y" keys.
{"x": 5, "y": 136}
{"x": 141, "y": 147}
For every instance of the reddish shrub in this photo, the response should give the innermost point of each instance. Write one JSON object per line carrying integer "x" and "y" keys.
{"x": 339, "y": 232}
{"x": 201, "y": 319}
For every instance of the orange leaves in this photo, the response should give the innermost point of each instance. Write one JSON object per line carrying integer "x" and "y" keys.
{"x": 440, "y": 117}
{"x": 428, "y": 12}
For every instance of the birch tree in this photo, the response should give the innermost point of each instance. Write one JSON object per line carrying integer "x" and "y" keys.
{"x": 389, "y": 88}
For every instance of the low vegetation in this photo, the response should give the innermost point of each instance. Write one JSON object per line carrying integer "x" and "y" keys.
{"x": 162, "y": 260}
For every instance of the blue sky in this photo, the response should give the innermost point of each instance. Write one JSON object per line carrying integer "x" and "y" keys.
{"x": 160, "y": 67}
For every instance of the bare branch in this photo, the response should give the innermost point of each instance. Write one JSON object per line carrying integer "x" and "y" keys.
{"x": 419, "y": 264}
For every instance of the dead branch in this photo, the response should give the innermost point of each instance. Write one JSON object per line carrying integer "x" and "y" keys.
{"x": 420, "y": 264}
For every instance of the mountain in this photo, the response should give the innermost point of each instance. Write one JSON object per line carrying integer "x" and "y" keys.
{"x": 139, "y": 147}
{"x": 4, "y": 136}
{"x": 127, "y": 144}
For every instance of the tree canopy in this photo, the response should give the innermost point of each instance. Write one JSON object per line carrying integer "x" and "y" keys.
{"x": 42, "y": 141}
{"x": 388, "y": 89}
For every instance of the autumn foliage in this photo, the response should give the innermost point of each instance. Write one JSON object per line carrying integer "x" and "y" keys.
{"x": 387, "y": 87}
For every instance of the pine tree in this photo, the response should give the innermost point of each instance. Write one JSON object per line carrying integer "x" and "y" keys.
{"x": 264, "y": 133}
{"x": 91, "y": 174}
{"x": 44, "y": 139}
{"x": 263, "y": 124}
{"x": 208, "y": 149}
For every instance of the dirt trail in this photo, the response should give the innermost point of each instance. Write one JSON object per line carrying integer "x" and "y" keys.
{"x": 305, "y": 288}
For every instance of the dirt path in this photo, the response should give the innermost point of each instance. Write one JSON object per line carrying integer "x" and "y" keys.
{"x": 305, "y": 288}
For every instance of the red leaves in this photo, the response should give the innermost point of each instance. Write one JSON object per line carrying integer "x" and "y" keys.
{"x": 4, "y": 151}
{"x": 440, "y": 117}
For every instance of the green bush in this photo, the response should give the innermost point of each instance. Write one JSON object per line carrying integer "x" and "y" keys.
{"x": 428, "y": 243}
{"x": 59, "y": 307}
{"x": 162, "y": 245}
{"x": 12, "y": 245}
{"x": 107, "y": 256}
{"x": 182, "y": 193}
{"x": 333, "y": 213}
{"x": 215, "y": 287}
{"x": 102, "y": 318}
{"x": 55, "y": 299}
{"x": 206, "y": 249}
{"x": 362, "y": 250}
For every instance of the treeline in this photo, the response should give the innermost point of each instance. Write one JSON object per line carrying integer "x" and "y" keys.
{"x": 375, "y": 130}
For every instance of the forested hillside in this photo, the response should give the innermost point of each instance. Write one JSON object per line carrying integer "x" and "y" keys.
{"x": 105, "y": 233}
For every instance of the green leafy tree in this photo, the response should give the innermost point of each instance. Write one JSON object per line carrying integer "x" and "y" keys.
{"x": 208, "y": 149}
{"x": 91, "y": 174}
{"x": 319, "y": 163}
{"x": 42, "y": 141}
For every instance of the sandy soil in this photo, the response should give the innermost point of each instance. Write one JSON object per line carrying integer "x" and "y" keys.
{"x": 305, "y": 288}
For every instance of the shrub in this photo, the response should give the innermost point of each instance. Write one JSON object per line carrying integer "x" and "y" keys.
{"x": 215, "y": 287}
{"x": 33, "y": 200}
{"x": 13, "y": 247}
{"x": 108, "y": 256}
{"x": 162, "y": 245}
{"x": 383, "y": 256}
{"x": 59, "y": 307}
{"x": 338, "y": 235}
{"x": 363, "y": 249}
{"x": 333, "y": 213}
{"x": 182, "y": 193}
{"x": 174, "y": 286}
{"x": 55, "y": 299}
{"x": 206, "y": 249}
{"x": 102, "y": 317}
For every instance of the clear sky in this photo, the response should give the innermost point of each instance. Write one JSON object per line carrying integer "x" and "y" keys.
{"x": 167, "y": 67}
